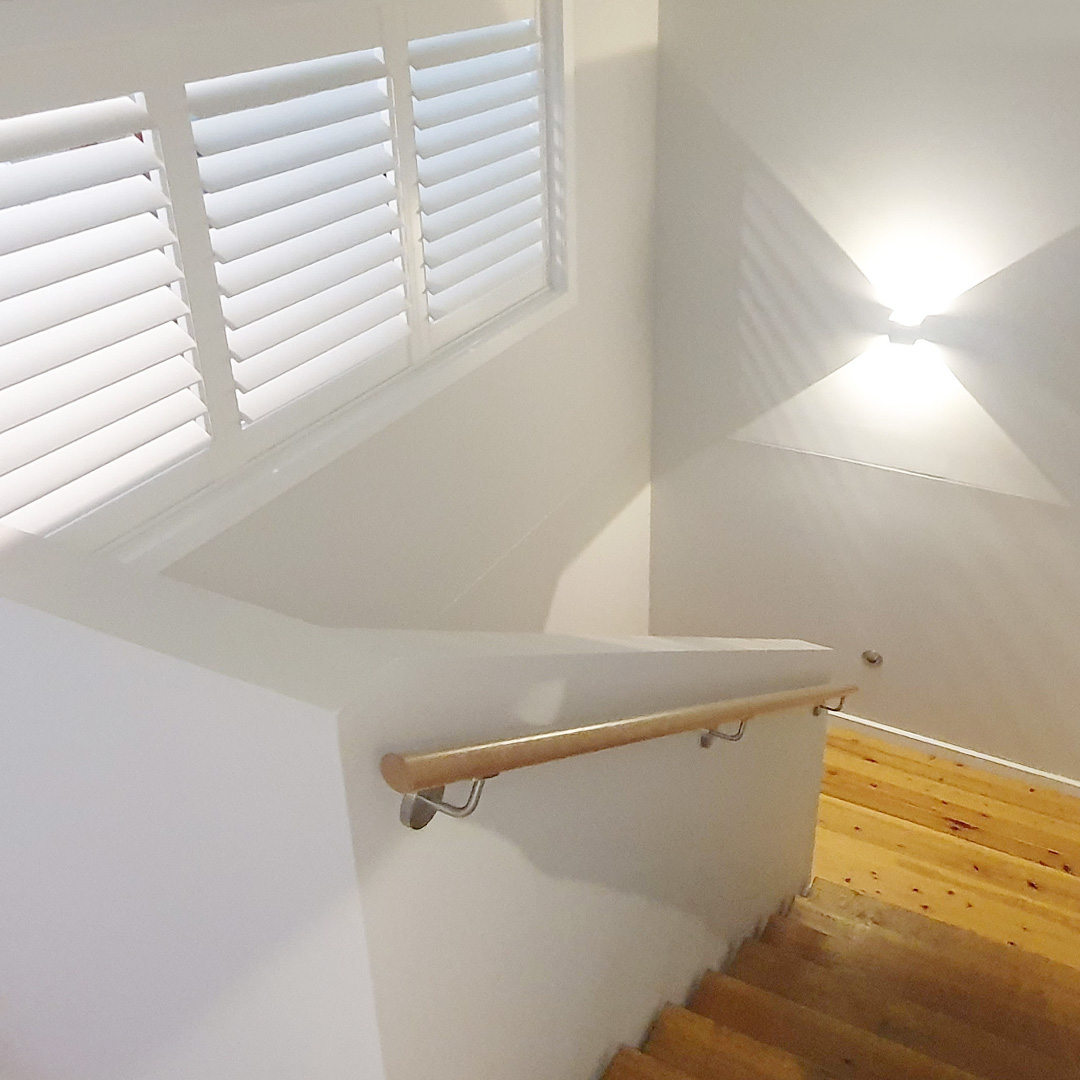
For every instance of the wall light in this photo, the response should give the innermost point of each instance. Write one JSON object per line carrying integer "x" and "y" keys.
{"x": 906, "y": 327}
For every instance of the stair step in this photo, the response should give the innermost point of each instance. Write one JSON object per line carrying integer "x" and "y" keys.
{"x": 988, "y": 822}
{"x": 837, "y": 902}
{"x": 958, "y": 775}
{"x": 996, "y": 975}
{"x": 634, "y": 1065}
{"x": 862, "y": 1003}
{"x": 989, "y": 1000}
{"x": 841, "y": 1049}
{"x": 703, "y": 1049}
{"x": 1000, "y": 896}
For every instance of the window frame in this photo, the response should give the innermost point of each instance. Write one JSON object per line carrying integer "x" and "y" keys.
{"x": 243, "y": 468}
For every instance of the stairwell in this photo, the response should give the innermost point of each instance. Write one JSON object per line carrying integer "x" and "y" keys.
{"x": 940, "y": 940}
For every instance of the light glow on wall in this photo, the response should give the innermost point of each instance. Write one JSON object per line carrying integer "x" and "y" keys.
{"x": 919, "y": 272}
{"x": 901, "y": 408}
{"x": 901, "y": 383}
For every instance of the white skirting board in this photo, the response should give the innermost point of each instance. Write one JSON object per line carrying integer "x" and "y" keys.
{"x": 1001, "y": 766}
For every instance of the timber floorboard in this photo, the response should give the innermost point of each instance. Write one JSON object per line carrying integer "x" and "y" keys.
{"x": 976, "y": 851}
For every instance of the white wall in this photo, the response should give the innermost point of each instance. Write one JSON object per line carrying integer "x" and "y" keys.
{"x": 176, "y": 837}
{"x": 468, "y": 511}
{"x": 179, "y": 896}
{"x": 817, "y": 162}
{"x": 533, "y": 938}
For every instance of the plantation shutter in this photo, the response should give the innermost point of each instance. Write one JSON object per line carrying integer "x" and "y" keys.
{"x": 480, "y": 144}
{"x": 98, "y": 387}
{"x": 298, "y": 175}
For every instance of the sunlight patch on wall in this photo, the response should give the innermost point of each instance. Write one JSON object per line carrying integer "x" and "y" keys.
{"x": 900, "y": 407}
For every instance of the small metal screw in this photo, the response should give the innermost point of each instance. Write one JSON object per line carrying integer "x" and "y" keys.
{"x": 874, "y": 659}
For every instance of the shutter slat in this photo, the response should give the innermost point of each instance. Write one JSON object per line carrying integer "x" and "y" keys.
{"x": 65, "y": 424}
{"x": 469, "y": 44}
{"x": 65, "y": 215}
{"x": 73, "y": 170}
{"x": 462, "y": 242}
{"x": 46, "y": 474}
{"x": 434, "y": 199}
{"x": 233, "y": 130}
{"x": 299, "y": 350}
{"x": 23, "y": 316}
{"x": 248, "y": 163}
{"x": 468, "y": 159}
{"x": 306, "y": 229}
{"x": 44, "y": 264}
{"x": 265, "y": 333}
{"x": 261, "y": 301}
{"x": 61, "y": 344}
{"x": 93, "y": 363}
{"x": 524, "y": 263}
{"x": 294, "y": 384}
{"x": 465, "y": 266}
{"x": 480, "y": 146}
{"x": 254, "y": 270}
{"x": 448, "y": 78}
{"x": 274, "y": 192}
{"x": 247, "y": 237}
{"x": 35, "y": 397}
{"x": 98, "y": 487}
{"x": 59, "y": 129}
{"x": 473, "y": 102}
{"x": 471, "y": 211}
{"x": 473, "y": 129}
{"x": 250, "y": 89}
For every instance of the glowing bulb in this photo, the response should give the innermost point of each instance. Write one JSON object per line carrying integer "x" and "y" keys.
{"x": 906, "y": 327}
{"x": 919, "y": 271}
{"x": 913, "y": 317}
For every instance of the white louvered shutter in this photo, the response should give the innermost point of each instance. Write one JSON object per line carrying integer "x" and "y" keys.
{"x": 481, "y": 159}
{"x": 98, "y": 387}
{"x": 297, "y": 167}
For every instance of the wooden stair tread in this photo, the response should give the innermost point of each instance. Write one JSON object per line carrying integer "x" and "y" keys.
{"x": 952, "y": 965}
{"x": 921, "y": 886}
{"x": 989, "y": 823}
{"x": 980, "y": 803}
{"x": 634, "y": 1065}
{"x": 838, "y": 902}
{"x": 864, "y": 1003}
{"x": 705, "y": 1050}
{"x": 842, "y": 1049}
{"x": 978, "y": 996}
{"x": 940, "y": 941}
{"x": 953, "y": 855}
{"x": 1052, "y": 803}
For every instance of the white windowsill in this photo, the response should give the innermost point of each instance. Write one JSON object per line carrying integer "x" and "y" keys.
{"x": 178, "y": 531}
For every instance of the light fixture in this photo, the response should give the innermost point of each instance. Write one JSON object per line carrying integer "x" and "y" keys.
{"x": 906, "y": 326}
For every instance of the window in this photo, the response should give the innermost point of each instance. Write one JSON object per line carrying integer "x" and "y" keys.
{"x": 98, "y": 387}
{"x": 479, "y": 141}
{"x": 279, "y": 221}
{"x": 297, "y": 167}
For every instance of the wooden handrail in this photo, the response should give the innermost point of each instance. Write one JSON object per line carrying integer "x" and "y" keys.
{"x": 407, "y": 773}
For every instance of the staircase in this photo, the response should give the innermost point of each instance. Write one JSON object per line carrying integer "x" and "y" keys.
{"x": 972, "y": 971}
{"x": 845, "y": 986}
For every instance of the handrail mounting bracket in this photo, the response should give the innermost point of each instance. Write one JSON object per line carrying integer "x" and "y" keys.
{"x": 420, "y": 807}
{"x": 710, "y": 735}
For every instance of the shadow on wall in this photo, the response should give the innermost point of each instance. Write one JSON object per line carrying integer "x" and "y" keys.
{"x": 971, "y": 595}
{"x": 600, "y": 534}
{"x": 467, "y": 512}
{"x": 988, "y": 396}
{"x": 582, "y": 892}
{"x": 665, "y": 821}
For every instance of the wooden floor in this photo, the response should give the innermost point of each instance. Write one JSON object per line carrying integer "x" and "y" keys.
{"x": 944, "y": 840}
